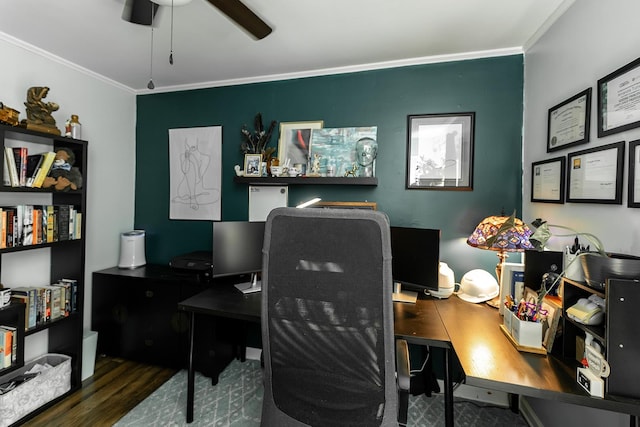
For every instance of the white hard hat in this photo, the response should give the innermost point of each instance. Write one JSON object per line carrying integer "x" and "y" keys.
{"x": 478, "y": 286}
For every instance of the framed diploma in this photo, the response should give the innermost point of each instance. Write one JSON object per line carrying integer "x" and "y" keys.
{"x": 634, "y": 174}
{"x": 547, "y": 180}
{"x": 595, "y": 175}
{"x": 568, "y": 122}
{"x": 619, "y": 100}
{"x": 440, "y": 151}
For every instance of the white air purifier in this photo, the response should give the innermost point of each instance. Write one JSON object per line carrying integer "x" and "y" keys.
{"x": 132, "y": 249}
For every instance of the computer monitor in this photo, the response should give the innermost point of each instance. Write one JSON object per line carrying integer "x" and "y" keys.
{"x": 415, "y": 261}
{"x": 237, "y": 250}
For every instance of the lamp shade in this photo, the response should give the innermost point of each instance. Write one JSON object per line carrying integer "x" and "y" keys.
{"x": 501, "y": 233}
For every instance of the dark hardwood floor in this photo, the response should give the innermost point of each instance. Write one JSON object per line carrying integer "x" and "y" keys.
{"x": 116, "y": 387}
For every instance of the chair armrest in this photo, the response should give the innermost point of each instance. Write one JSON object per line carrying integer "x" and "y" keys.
{"x": 402, "y": 365}
{"x": 403, "y": 378}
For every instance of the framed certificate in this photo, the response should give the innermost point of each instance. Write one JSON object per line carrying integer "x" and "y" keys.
{"x": 568, "y": 122}
{"x": 595, "y": 175}
{"x": 547, "y": 180}
{"x": 619, "y": 100}
{"x": 634, "y": 174}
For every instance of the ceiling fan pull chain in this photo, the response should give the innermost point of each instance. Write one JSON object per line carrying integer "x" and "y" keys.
{"x": 171, "y": 53}
{"x": 150, "y": 85}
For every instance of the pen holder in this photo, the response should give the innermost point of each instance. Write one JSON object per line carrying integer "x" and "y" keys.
{"x": 573, "y": 267}
{"x": 524, "y": 335}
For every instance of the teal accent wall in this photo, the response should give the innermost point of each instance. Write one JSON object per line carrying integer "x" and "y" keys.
{"x": 490, "y": 87}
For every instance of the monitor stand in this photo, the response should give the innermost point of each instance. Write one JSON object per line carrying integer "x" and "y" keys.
{"x": 403, "y": 296}
{"x": 254, "y": 285}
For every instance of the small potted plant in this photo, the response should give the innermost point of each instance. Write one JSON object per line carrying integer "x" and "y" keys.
{"x": 256, "y": 142}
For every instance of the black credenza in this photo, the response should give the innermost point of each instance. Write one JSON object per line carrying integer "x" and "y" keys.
{"x": 135, "y": 313}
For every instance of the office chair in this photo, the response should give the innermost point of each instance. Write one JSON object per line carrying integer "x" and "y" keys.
{"x": 327, "y": 321}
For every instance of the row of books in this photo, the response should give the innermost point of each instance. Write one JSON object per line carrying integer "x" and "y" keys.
{"x": 8, "y": 346}
{"x": 24, "y": 170}
{"x": 24, "y": 225}
{"x": 47, "y": 303}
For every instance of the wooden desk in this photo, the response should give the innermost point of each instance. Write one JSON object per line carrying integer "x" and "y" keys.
{"x": 417, "y": 323}
{"x": 489, "y": 360}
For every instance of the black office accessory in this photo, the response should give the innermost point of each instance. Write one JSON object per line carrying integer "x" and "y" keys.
{"x": 327, "y": 321}
{"x": 198, "y": 262}
{"x": 537, "y": 263}
{"x": 415, "y": 260}
{"x": 237, "y": 251}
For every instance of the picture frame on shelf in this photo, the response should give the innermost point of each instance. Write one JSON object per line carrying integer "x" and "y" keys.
{"x": 548, "y": 180}
{"x": 440, "y": 151}
{"x": 617, "y": 95}
{"x": 252, "y": 164}
{"x": 595, "y": 174}
{"x": 294, "y": 141}
{"x": 569, "y": 122}
{"x": 550, "y": 324}
{"x": 633, "y": 198}
{"x": 333, "y": 152}
{"x": 511, "y": 283}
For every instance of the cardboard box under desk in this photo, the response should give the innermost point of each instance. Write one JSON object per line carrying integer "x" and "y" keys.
{"x": 32, "y": 394}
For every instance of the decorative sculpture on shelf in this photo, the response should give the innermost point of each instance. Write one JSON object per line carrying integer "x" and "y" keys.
{"x": 39, "y": 116}
{"x": 366, "y": 151}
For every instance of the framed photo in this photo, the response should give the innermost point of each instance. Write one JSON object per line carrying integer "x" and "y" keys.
{"x": 634, "y": 174}
{"x": 550, "y": 322}
{"x": 511, "y": 283}
{"x": 618, "y": 100}
{"x": 440, "y": 151}
{"x": 294, "y": 141}
{"x": 568, "y": 122}
{"x": 252, "y": 164}
{"x": 347, "y": 205}
{"x": 595, "y": 175}
{"x": 548, "y": 180}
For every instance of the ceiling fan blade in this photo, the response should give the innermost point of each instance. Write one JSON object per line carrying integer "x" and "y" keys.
{"x": 243, "y": 16}
{"x": 139, "y": 11}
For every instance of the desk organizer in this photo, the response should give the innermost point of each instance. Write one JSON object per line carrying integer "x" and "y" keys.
{"x": 525, "y": 336}
{"x": 30, "y": 395}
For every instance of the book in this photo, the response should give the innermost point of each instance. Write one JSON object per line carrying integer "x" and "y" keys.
{"x": 63, "y": 222}
{"x": 29, "y": 296}
{"x": 48, "y": 220}
{"x": 34, "y": 163}
{"x": 78, "y": 233}
{"x": 10, "y": 167}
{"x": 55, "y": 301}
{"x": 27, "y": 225}
{"x": 65, "y": 297}
{"x": 14, "y": 342}
{"x": 20, "y": 157}
{"x": 47, "y": 162}
{"x": 73, "y": 284}
{"x": 6, "y": 341}
{"x": 10, "y": 221}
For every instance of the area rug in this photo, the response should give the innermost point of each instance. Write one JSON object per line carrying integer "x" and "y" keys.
{"x": 236, "y": 401}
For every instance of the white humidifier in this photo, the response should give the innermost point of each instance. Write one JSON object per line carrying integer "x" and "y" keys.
{"x": 132, "y": 249}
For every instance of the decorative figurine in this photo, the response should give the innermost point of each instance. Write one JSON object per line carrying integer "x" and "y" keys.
{"x": 39, "y": 112}
{"x": 64, "y": 176}
{"x": 366, "y": 150}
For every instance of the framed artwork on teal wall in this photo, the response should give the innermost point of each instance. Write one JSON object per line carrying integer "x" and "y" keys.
{"x": 440, "y": 151}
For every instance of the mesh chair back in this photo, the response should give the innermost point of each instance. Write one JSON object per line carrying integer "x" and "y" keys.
{"x": 327, "y": 319}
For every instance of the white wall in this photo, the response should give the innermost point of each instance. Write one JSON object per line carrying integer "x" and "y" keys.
{"x": 107, "y": 114}
{"x": 592, "y": 39}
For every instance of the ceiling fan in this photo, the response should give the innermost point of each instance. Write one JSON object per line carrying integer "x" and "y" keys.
{"x": 143, "y": 11}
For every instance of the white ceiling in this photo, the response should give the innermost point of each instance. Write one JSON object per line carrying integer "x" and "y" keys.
{"x": 309, "y": 37}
